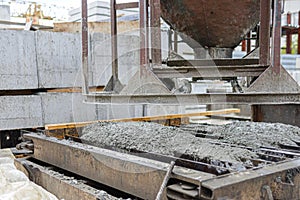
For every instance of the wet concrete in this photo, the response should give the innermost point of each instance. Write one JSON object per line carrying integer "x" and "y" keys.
{"x": 251, "y": 134}
{"x": 155, "y": 138}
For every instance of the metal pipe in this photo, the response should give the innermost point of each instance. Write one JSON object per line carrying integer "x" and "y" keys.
{"x": 114, "y": 42}
{"x": 264, "y": 32}
{"x": 85, "y": 52}
{"x": 276, "y": 37}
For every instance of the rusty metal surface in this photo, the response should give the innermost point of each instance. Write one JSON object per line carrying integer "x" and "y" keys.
{"x": 264, "y": 32}
{"x": 155, "y": 13}
{"x": 85, "y": 48}
{"x": 213, "y": 62}
{"x": 124, "y": 172}
{"x": 214, "y": 23}
{"x": 276, "y": 38}
{"x": 252, "y": 182}
{"x": 114, "y": 43}
{"x": 133, "y": 174}
{"x": 287, "y": 114}
{"x": 192, "y": 99}
{"x": 298, "y": 33}
{"x": 56, "y": 183}
{"x": 210, "y": 72}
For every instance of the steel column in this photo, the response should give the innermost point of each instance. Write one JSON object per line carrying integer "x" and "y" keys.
{"x": 144, "y": 55}
{"x": 276, "y": 37}
{"x": 288, "y": 36}
{"x": 84, "y": 42}
{"x": 244, "y": 45}
{"x": 175, "y": 41}
{"x": 249, "y": 35}
{"x": 155, "y": 32}
{"x": 114, "y": 43}
{"x": 264, "y": 32}
{"x": 298, "y": 33}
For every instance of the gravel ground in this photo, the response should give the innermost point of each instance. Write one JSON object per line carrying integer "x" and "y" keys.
{"x": 155, "y": 138}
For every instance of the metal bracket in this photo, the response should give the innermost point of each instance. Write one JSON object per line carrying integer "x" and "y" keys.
{"x": 271, "y": 82}
{"x": 145, "y": 82}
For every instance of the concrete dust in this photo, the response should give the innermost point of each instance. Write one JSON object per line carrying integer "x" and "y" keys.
{"x": 155, "y": 138}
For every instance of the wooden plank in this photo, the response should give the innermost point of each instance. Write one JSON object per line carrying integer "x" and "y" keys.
{"x": 75, "y": 89}
{"x": 148, "y": 118}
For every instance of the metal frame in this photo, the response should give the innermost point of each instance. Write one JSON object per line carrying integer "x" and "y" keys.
{"x": 132, "y": 174}
{"x": 273, "y": 76}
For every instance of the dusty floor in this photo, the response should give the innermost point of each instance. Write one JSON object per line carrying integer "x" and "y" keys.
{"x": 155, "y": 138}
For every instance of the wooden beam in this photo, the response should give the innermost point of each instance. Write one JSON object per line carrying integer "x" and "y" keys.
{"x": 148, "y": 118}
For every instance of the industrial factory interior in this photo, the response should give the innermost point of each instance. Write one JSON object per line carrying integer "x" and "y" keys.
{"x": 150, "y": 99}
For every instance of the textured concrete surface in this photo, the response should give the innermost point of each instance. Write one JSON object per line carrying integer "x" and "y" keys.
{"x": 58, "y": 59}
{"x": 20, "y": 112}
{"x": 66, "y": 107}
{"x": 18, "y": 60}
{"x": 101, "y": 57}
{"x": 155, "y": 138}
{"x": 119, "y": 111}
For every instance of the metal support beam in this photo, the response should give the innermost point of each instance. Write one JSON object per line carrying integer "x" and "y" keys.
{"x": 287, "y": 114}
{"x": 155, "y": 12}
{"x": 264, "y": 32}
{"x": 114, "y": 43}
{"x": 249, "y": 35}
{"x": 144, "y": 54}
{"x": 210, "y": 71}
{"x": 175, "y": 41}
{"x": 84, "y": 42}
{"x": 276, "y": 37}
{"x": 122, "y": 6}
{"x": 298, "y": 33}
{"x": 124, "y": 172}
{"x": 194, "y": 99}
{"x": 288, "y": 36}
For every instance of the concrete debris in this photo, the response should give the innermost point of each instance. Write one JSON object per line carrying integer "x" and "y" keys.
{"x": 155, "y": 138}
{"x": 101, "y": 195}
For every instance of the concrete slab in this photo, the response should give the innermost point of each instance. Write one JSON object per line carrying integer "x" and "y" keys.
{"x": 128, "y": 46}
{"x": 58, "y": 59}
{"x": 119, "y": 111}
{"x": 18, "y": 60}
{"x": 66, "y": 107}
{"x": 20, "y": 112}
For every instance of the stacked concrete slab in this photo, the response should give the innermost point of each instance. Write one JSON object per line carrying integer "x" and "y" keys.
{"x": 44, "y": 60}
{"x": 18, "y": 112}
{"x": 18, "y": 60}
